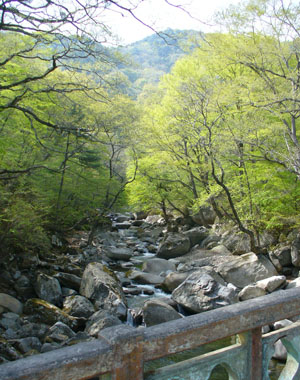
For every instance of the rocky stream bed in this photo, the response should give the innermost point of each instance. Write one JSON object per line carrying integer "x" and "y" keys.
{"x": 138, "y": 273}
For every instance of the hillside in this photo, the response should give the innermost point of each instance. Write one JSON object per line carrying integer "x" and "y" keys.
{"x": 153, "y": 56}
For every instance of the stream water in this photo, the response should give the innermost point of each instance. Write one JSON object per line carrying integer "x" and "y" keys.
{"x": 145, "y": 292}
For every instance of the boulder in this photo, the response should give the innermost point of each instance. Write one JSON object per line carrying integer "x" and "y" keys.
{"x": 102, "y": 288}
{"x": 156, "y": 311}
{"x": 68, "y": 280}
{"x": 78, "y": 306}
{"x": 196, "y": 235}
{"x": 205, "y": 216}
{"x": 10, "y": 303}
{"x": 44, "y": 312}
{"x": 118, "y": 253}
{"x": 122, "y": 226}
{"x": 251, "y": 291}
{"x": 157, "y": 266}
{"x": 145, "y": 278}
{"x": 237, "y": 242}
{"x": 174, "y": 279}
{"x": 10, "y": 321}
{"x": 221, "y": 250}
{"x": 99, "y": 321}
{"x": 281, "y": 254}
{"x": 173, "y": 245}
{"x": 48, "y": 289}
{"x": 139, "y": 215}
{"x": 246, "y": 269}
{"x": 201, "y": 292}
{"x": 272, "y": 283}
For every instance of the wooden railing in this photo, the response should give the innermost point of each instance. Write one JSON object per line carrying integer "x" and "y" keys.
{"x": 122, "y": 351}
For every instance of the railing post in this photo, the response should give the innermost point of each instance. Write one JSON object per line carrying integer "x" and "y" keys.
{"x": 129, "y": 363}
{"x": 256, "y": 354}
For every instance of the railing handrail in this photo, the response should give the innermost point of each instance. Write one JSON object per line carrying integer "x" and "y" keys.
{"x": 122, "y": 350}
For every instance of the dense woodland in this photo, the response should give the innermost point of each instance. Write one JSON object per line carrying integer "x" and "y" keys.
{"x": 86, "y": 129}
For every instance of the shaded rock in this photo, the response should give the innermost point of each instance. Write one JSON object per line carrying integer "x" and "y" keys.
{"x": 103, "y": 288}
{"x": 139, "y": 215}
{"x": 122, "y": 226}
{"x": 157, "y": 266}
{"x": 122, "y": 218}
{"x": 10, "y": 321}
{"x": 78, "y": 306}
{"x": 272, "y": 283}
{"x": 67, "y": 292}
{"x": 237, "y": 242}
{"x": 25, "y": 345}
{"x": 118, "y": 253}
{"x": 173, "y": 245}
{"x": 156, "y": 311}
{"x": 205, "y": 216}
{"x": 44, "y": 312}
{"x": 29, "y": 329}
{"x": 246, "y": 269}
{"x": 24, "y": 287}
{"x": 59, "y": 333}
{"x": 145, "y": 278}
{"x": 196, "y": 235}
{"x": 201, "y": 292}
{"x": 68, "y": 280}
{"x": 47, "y": 347}
{"x": 8, "y": 351}
{"x": 283, "y": 255}
{"x": 251, "y": 291}
{"x": 48, "y": 289}
{"x": 280, "y": 350}
{"x": 211, "y": 241}
{"x": 295, "y": 252}
{"x": 99, "y": 321}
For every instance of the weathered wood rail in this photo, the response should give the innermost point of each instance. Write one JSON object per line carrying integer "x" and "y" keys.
{"x": 121, "y": 352}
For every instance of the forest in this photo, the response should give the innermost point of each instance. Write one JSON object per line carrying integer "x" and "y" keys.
{"x": 86, "y": 129}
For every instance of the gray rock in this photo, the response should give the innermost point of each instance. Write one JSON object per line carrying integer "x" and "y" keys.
{"x": 205, "y": 216}
{"x": 48, "y": 289}
{"x": 10, "y": 321}
{"x": 293, "y": 284}
{"x": 67, "y": 292}
{"x": 196, "y": 235}
{"x": 156, "y": 311}
{"x": 272, "y": 283}
{"x": 44, "y": 312}
{"x": 8, "y": 351}
{"x": 246, "y": 269}
{"x": 283, "y": 255}
{"x": 122, "y": 226}
{"x": 145, "y": 278}
{"x": 237, "y": 242}
{"x": 78, "y": 306}
{"x": 25, "y": 345}
{"x": 295, "y": 252}
{"x": 59, "y": 333}
{"x": 118, "y": 253}
{"x": 251, "y": 291}
{"x": 173, "y": 245}
{"x": 174, "y": 279}
{"x": 102, "y": 287}
{"x": 201, "y": 292}
{"x": 68, "y": 280}
{"x": 157, "y": 266}
{"x": 221, "y": 250}
{"x": 10, "y": 303}
{"x": 47, "y": 347}
{"x": 99, "y": 321}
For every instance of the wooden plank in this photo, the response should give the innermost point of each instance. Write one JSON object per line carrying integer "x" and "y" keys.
{"x": 256, "y": 354}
